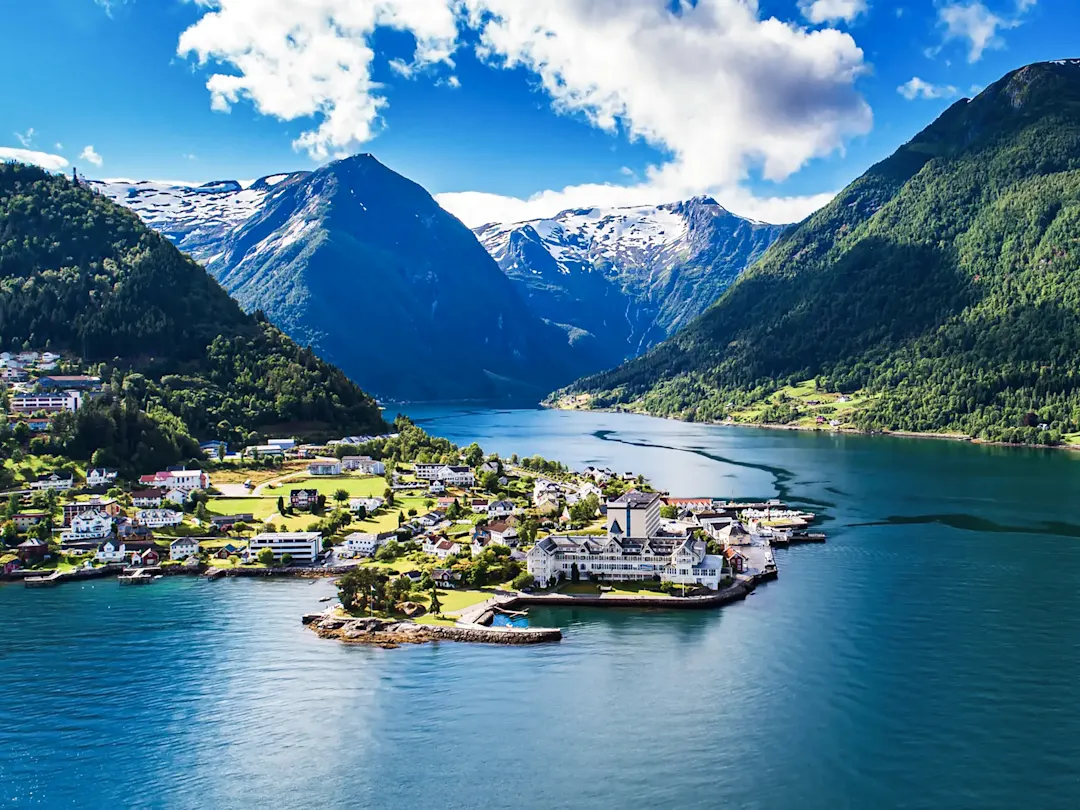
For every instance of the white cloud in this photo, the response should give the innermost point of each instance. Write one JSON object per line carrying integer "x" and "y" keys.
{"x": 478, "y": 208}
{"x": 59, "y": 147}
{"x": 301, "y": 58}
{"x": 88, "y": 154}
{"x": 978, "y": 25}
{"x": 42, "y": 159}
{"x": 917, "y": 88}
{"x": 719, "y": 92}
{"x": 831, "y": 11}
{"x": 26, "y": 138}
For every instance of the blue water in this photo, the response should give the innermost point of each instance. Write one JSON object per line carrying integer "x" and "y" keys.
{"x": 502, "y": 620}
{"x": 926, "y": 657}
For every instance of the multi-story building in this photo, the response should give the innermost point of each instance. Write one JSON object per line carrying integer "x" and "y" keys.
{"x": 302, "y": 546}
{"x": 427, "y": 471}
{"x": 55, "y": 480}
{"x": 157, "y": 518}
{"x": 109, "y": 506}
{"x": 92, "y": 525}
{"x": 682, "y": 560}
{"x": 324, "y": 466}
{"x": 634, "y": 515}
{"x": 47, "y": 403}
{"x": 183, "y": 547}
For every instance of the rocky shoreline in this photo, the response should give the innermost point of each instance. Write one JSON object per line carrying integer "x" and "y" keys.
{"x": 391, "y": 633}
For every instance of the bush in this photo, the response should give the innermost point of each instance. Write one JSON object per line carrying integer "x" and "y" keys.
{"x": 523, "y": 580}
{"x": 266, "y": 556}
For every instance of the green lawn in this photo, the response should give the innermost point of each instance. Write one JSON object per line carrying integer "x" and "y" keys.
{"x": 357, "y": 486}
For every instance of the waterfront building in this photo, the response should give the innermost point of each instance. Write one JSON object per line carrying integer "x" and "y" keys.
{"x": 304, "y": 547}
{"x": 682, "y": 561}
{"x": 89, "y": 525}
{"x": 365, "y": 543}
{"x": 183, "y": 547}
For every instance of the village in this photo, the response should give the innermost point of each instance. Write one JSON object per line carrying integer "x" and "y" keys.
{"x": 442, "y": 534}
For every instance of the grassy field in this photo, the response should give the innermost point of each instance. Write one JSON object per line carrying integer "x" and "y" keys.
{"x": 800, "y": 396}
{"x": 357, "y": 486}
{"x": 228, "y": 474}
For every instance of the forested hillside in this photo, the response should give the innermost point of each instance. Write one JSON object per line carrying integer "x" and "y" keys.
{"x": 83, "y": 276}
{"x": 942, "y": 284}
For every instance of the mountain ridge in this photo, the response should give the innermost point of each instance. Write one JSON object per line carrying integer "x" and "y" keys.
{"x": 940, "y": 283}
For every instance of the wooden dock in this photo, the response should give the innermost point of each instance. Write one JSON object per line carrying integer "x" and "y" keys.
{"x": 49, "y": 581}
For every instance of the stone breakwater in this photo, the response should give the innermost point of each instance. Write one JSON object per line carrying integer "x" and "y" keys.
{"x": 393, "y": 633}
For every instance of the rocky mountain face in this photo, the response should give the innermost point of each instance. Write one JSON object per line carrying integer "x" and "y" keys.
{"x": 944, "y": 284}
{"x": 627, "y": 277}
{"x": 364, "y": 266}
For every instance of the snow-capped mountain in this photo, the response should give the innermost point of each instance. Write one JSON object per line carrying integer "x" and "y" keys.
{"x": 629, "y": 276}
{"x": 363, "y": 265}
{"x": 196, "y": 218}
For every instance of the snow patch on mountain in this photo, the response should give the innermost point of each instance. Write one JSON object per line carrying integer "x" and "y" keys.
{"x": 196, "y": 218}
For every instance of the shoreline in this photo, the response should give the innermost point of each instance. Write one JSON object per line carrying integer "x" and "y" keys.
{"x": 392, "y": 633}
{"x": 901, "y": 434}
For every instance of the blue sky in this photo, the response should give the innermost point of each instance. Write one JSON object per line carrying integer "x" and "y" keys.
{"x": 508, "y": 109}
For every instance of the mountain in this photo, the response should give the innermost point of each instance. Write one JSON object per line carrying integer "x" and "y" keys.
{"x": 82, "y": 276}
{"x": 365, "y": 267}
{"x": 943, "y": 285}
{"x": 628, "y": 276}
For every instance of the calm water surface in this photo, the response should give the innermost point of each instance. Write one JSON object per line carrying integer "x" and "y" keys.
{"x": 927, "y": 657}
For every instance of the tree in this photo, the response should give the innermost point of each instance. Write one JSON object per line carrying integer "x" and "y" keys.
{"x": 355, "y": 588}
{"x": 478, "y": 574}
{"x": 435, "y": 606}
{"x": 523, "y": 580}
{"x": 361, "y": 512}
{"x": 527, "y": 529}
{"x": 265, "y": 556}
{"x": 400, "y": 588}
{"x": 669, "y": 512}
{"x": 341, "y": 496}
{"x": 9, "y": 533}
{"x": 281, "y": 505}
{"x": 575, "y": 574}
{"x": 474, "y": 455}
{"x": 490, "y": 481}
{"x": 286, "y": 559}
{"x": 388, "y": 551}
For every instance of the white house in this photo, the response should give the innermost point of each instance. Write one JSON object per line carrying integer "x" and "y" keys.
{"x": 362, "y": 543}
{"x": 500, "y": 509}
{"x": 437, "y": 488}
{"x": 501, "y": 533}
{"x": 187, "y": 480}
{"x": 147, "y": 498}
{"x": 479, "y": 506}
{"x": 457, "y": 476}
{"x": 156, "y": 518}
{"x": 100, "y": 477}
{"x": 444, "y": 548}
{"x": 177, "y": 495}
{"x": 427, "y": 471}
{"x": 91, "y": 525}
{"x": 324, "y": 466}
{"x": 489, "y": 466}
{"x": 364, "y": 465}
{"x": 111, "y": 551}
{"x": 303, "y": 546}
{"x": 369, "y": 504}
{"x": 183, "y": 547}
{"x": 58, "y": 481}
{"x": 634, "y": 515}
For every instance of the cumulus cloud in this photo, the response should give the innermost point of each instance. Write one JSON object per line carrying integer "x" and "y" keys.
{"x": 831, "y": 11}
{"x": 720, "y": 92}
{"x": 300, "y": 58}
{"x": 977, "y": 25}
{"x": 88, "y": 154}
{"x": 917, "y": 88}
{"x": 42, "y": 159}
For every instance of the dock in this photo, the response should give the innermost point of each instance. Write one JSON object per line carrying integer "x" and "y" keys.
{"x": 138, "y": 576}
{"x": 49, "y": 581}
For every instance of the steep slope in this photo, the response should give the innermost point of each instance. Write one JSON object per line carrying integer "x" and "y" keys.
{"x": 364, "y": 266}
{"x": 629, "y": 276}
{"x": 83, "y": 276}
{"x": 942, "y": 283}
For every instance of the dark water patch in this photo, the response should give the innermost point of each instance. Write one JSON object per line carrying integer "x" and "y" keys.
{"x": 973, "y": 523}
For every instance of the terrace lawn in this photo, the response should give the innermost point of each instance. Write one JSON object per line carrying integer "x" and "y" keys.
{"x": 228, "y": 474}
{"x": 357, "y": 486}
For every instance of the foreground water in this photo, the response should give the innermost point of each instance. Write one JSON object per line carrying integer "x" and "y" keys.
{"x": 926, "y": 657}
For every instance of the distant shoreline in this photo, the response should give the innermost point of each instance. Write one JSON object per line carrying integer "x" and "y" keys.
{"x": 902, "y": 434}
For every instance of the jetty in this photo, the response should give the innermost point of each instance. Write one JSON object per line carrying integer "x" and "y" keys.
{"x": 138, "y": 576}
{"x": 48, "y": 581}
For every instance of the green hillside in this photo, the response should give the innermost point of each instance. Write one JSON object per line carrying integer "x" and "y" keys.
{"x": 942, "y": 286}
{"x": 84, "y": 277}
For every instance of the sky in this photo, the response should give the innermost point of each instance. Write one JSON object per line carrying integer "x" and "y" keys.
{"x": 507, "y": 110}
